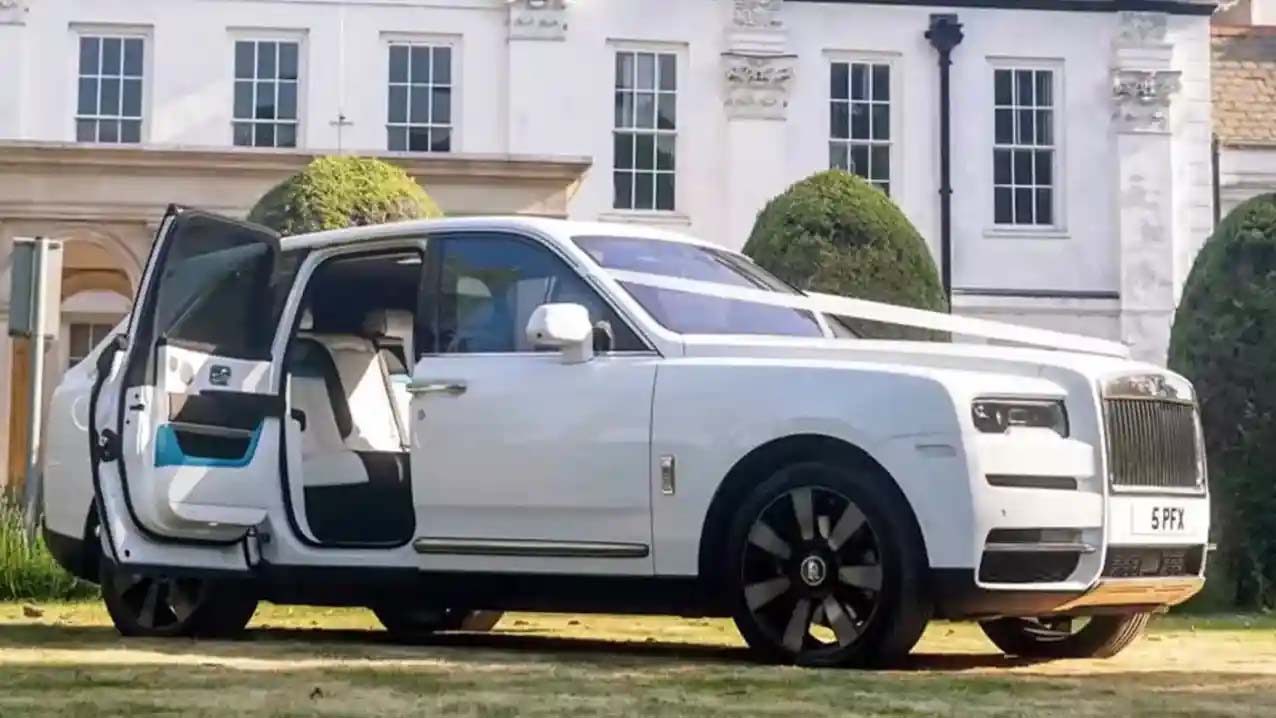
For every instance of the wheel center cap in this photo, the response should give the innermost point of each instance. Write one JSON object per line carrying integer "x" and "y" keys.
{"x": 813, "y": 570}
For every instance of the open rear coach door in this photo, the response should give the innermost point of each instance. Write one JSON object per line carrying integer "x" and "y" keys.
{"x": 188, "y": 421}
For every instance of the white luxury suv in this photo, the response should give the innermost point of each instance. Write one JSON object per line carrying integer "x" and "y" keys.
{"x": 444, "y": 419}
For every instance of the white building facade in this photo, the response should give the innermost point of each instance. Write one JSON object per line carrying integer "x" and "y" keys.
{"x": 1080, "y": 129}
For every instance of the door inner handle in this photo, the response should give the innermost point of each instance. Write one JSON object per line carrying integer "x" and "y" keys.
{"x": 451, "y": 388}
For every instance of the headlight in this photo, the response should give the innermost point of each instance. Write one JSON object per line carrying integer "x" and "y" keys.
{"x": 997, "y": 416}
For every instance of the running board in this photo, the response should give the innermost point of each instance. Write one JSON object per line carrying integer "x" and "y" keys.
{"x": 529, "y": 548}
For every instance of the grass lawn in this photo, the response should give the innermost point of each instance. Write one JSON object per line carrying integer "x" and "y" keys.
{"x": 68, "y": 662}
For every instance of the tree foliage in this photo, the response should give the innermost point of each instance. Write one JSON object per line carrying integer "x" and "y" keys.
{"x": 1224, "y": 340}
{"x": 339, "y": 192}
{"x": 834, "y": 232}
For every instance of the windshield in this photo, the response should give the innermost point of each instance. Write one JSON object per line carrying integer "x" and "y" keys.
{"x": 688, "y": 313}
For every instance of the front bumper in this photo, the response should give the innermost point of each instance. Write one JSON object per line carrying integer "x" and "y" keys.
{"x": 958, "y": 596}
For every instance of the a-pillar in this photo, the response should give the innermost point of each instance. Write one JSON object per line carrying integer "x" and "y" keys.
{"x": 1144, "y": 85}
{"x": 757, "y": 73}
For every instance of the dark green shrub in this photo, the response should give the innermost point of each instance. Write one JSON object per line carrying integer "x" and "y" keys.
{"x": 1224, "y": 340}
{"x": 339, "y": 192}
{"x": 834, "y": 232}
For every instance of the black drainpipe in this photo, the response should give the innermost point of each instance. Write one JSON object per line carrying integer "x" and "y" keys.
{"x": 944, "y": 35}
{"x": 1215, "y": 180}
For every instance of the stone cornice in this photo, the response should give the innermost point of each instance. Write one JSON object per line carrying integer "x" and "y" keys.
{"x": 71, "y": 157}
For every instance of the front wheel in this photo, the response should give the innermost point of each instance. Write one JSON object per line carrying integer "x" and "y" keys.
{"x": 1065, "y": 636}
{"x": 162, "y": 607}
{"x": 826, "y": 569}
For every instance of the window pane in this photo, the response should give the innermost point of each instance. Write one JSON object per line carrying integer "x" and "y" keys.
{"x": 86, "y": 131}
{"x": 80, "y": 342}
{"x": 133, "y": 57}
{"x": 131, "y": 131}
{"x": 244, "y": 59}
{"x": 646, "y": 111}
{"x": 441, "y": 139}
{"x": 840, "y": 122}
{"x": 1023, "y": 167}
{"x": 397, "y": 109}
{"x": 881, "y": 122}
{"x": 645, "y": 152}
{"x": 1004, "y": 93}
{"x": 859, "y": 81}
{"x": 668, "y": 73}
{"x": 665, "y": 152}
{"x": 859, "y": 121}
{"x": 646, "y": 71}
{"x": 839, "y": 156}
{"x": 286, "y": 135}
{"x": 1045, "y": 88}
{"x": 132, "y": 98}
{"x": 266, "y": 68}
{"x": 1005, "y": 127}
{"x": 664, "y": 191}
{"x": 90, "y": 47}
{"x": 859, "y": 160}
{"x": 1045, "y": 206}
{"x": 264, "y": 135}
{"x": 880, "y": 162}
{"x": 623, "y": 149}
{"x": 1001, "y": 167}
{"x": 442, "y": 107}
{"x": 1027, "y": 127}
{"x": 624, "y": 70}
{"x": 442, "y": 66}
{"x": 419, "y": 107}
{"x": 418, "y": 139}
{"x": 668, "y": 113}
{"x": 881, "y": 83}
{"x": 623, "y": 194}
{"x": 1023, "y": 206}
{"x": 288, "y": 100}
{"x": 397, "y": 139}
{"x": 110, "y": 97}
{"x": 108, "y": 131}
{"x": 265, "y": 100}
{"x": 88, "y": 97}
{"x": 288, "y": 60}
{"x": 1002, "y": 211}
{"x": 243, "y": 134}
{"x": 1045, "y": 127}
{"x": 624, "y": 109}
{"x": 420, "y": 65}
{"x": 1044, "y": 167}
{"x": 1024, "y": 95}
{"x": 112, "y": 56}
{"x": 398, "y": 63}
{"x": 644, "y": 190}
{"x": 839, "y": 81}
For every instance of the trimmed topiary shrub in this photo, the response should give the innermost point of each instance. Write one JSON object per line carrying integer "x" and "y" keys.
{"x": 834, "y": 232}
{"x": 1224, "y": 340}
{"x": 339, "y": 192}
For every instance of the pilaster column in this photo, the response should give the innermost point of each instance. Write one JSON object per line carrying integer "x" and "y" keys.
{"x": 757, "y": 74}
{"x": 1143, "y": 89}
{"x": 13, "y": 18}
{"x": 537, "y": 54}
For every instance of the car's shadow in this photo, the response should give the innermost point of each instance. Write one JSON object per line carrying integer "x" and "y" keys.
{"x": 373, "y": 645}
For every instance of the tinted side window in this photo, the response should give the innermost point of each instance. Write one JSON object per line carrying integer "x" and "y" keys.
{"x": 489, "y": 285}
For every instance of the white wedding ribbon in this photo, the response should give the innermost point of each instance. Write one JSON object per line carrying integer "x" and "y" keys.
{"x": 883, "y": 313}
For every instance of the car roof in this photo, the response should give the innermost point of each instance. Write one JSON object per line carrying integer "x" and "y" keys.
{"x": 560, "y": 230}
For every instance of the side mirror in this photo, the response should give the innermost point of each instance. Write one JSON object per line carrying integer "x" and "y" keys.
{"x": 565, "y": 327}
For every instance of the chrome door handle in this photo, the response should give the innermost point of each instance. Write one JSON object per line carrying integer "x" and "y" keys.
{"x": 451, "y": 388}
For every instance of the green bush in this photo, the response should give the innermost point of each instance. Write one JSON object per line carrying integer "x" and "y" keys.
{"x": 339, "y": 192}
{"x": 27, "y": 570}
{"x": 834, "y": 232}
{"x": 1224, "y": 340}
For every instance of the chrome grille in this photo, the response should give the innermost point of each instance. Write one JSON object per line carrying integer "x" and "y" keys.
{"x": 1151, "y": 444}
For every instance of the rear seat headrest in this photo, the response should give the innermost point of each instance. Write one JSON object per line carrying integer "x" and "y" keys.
{"x": 307, "y": 322}
{"x": 388, "y": 323}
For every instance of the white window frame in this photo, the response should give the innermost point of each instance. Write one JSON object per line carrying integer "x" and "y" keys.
{"x": 125, "y": 32}
{"x": 675, "y": 214}
{"x": 1057, "y": 229}
{"x": 895, "y": 102}
{"x": 237, "y": 35}
{"x": 453, "y": 43}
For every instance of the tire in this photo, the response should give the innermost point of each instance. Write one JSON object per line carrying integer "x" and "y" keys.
{"x": 146, "y": 606}
{"x": 1100, "y": 637}
{"x": 411, "y": 624}
{"x": 844, "y": 585}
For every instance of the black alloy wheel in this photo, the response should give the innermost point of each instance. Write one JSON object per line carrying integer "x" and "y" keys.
{"x": 159, "y": 606}
{"x": 1066, "y": 636}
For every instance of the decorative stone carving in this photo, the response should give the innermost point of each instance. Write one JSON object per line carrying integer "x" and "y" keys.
{"x": 757, "y": 14}
{"x": 538, "y": 19}
{"x": 13, "y": 12}
{"x": 757, "y": 86}
{"x": 1142, "y": 29}
{"x": 1143, "y": 99}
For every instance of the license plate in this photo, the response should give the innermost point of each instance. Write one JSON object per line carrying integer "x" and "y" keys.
{"x": 1160, "y": 519}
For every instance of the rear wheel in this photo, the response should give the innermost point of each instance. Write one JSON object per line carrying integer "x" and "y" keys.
{"x": 410, "y": 623}
{"x": 150, "y": 606}
{"x": 826, "y": 569}
{"x": 1065, "y": 636}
